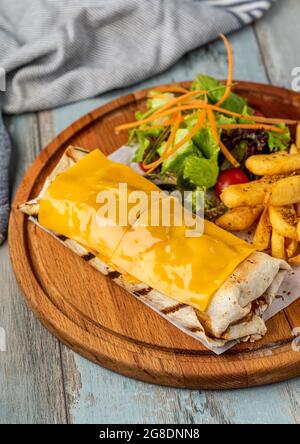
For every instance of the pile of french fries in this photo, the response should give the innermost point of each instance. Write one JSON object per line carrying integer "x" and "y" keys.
{"x": 273, "y": 201}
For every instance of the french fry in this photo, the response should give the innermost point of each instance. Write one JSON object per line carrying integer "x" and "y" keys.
{"x": 283, "y": 221}
{"x": 285, "y": 192}
{"x": 272, "y": 164}
{"x": 278, "y": 245}
{"x": 262, "y": 236}
{"x": 298, "y": 136}
{"x": 267, "y": 198}
{"x": 248, "y": 194}
{"x": 298, "y": 230}
{"x": 294, "y": 149}
{"x": 295, "y": 260}
{"x": 291, "y": 248}
{"x": 240, "y": 218}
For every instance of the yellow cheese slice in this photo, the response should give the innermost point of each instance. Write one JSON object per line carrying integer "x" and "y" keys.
{"x": 70, "y": 207}
{"x": 187, "y": 269}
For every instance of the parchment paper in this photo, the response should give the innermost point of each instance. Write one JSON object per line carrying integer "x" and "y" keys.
{"x": 288, "y": 292}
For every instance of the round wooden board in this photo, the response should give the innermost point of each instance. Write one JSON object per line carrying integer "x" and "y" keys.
{"x": 97, "y": 319}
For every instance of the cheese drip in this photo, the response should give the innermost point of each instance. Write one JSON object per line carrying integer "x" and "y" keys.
{"x": 188, "y": 269}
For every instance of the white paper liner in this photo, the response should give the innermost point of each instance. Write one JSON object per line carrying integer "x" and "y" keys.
{"x": 287, "y": 293}
{"x": 289, "y": 290}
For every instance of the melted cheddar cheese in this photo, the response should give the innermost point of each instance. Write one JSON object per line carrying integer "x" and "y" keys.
{"x": 70, "y": 207}
{"x": 187, "y": 269}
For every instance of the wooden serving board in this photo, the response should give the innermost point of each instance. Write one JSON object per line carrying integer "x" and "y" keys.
{"x": 104, "y": 323}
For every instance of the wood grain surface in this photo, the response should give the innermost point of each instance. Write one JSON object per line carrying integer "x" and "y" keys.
{"x": 101, "y": 321}
{"x": 42, "y": 380}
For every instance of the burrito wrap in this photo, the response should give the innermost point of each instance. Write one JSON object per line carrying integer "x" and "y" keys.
{"x": 233, "y": 313}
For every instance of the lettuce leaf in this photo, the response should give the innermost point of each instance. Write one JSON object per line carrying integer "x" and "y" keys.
{"x": 206, "y": 143}
{"x": 279, "y": 142}
{"x": 221, "y": 119}
{"x": 144, "y": 143}
{"x": 157, "y": 102}
{"x": 216, "y": 90}
{"x": 153, "y": 104}
{"x": 143, "y": 138}
{"x": 175, "y": 163}
{"x": 196, "y": 162}
{"x": 201, "y": 172}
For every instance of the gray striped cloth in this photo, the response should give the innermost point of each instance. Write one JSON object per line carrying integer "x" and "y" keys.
{"x": 58, "y": 51}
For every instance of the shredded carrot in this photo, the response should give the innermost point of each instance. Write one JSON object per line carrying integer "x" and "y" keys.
{"x": 230, "y": 71}
{"x": 127, "y": 126}
{"x": 149, "y": 128}
{"x": 271, "y": 120}
{"x": 151, "y": 166}
{"x": 159, "y": 125}
{"x": 162, "y": 125}
{"x": 174, "y": 89}
{"x": 157, "y": 96}
{"x": 177, "y": 122}
{"x": 196, "y": 102}
{"x": 245, "y": 117}
{"x": 194, "y": 130}
{"x": 186, "y": 100}
{"x": 178, "y": 100}
{"x": 256, "y": 126}
{"x": 228, "y": 155}
{"x": 225, "y": 151}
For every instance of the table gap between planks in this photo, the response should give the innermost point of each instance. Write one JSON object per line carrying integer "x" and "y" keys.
{"x": 41, "y": 380}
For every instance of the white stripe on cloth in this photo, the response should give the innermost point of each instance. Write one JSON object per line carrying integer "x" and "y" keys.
{"x": 245, "y": 10}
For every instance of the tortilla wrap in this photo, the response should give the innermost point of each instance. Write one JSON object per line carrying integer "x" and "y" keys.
{"x": 235, "y": 310}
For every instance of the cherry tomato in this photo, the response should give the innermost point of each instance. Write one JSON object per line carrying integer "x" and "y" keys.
{"x": 230, "y": 177}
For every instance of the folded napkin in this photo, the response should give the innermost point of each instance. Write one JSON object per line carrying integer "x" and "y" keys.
{"x": 56, "y": 52}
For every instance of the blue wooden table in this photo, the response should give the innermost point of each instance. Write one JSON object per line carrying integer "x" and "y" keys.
{"x": 41, "y": 380}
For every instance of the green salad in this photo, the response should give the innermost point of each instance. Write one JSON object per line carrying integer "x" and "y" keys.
{"x": 199, "y": 138}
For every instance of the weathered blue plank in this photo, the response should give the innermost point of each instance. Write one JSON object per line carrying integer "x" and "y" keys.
{"x": 31, "y": 384}
{"x": 105, "y": 397}
{"x": 30, "y": 378}
{"x": 279, "y": 36}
